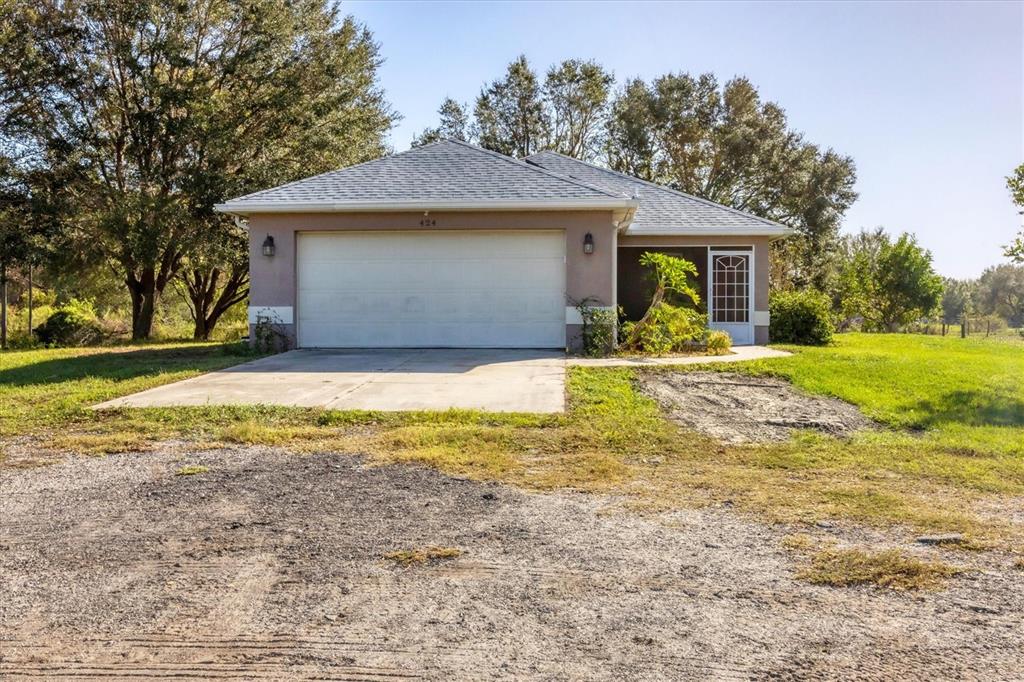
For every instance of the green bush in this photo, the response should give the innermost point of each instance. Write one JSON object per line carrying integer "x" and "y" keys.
{"x": 718, "y": 343}
{"x": 803, "y": 317}
{"x": 72, "y": 324}
{"x": 665, "y": 328}
{"x": 599, "y": 326}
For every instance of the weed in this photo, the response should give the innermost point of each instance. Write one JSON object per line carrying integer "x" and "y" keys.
{"x": 890, "y": 569}
{"x": 191, "y": 470}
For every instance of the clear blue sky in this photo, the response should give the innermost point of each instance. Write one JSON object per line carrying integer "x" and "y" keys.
{"x": 926, "y": 97}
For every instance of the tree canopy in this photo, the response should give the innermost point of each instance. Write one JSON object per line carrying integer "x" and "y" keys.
{"x": 886, "y": 283}
{"x": 721, "y": 143}
{"x": 152, "y": 112}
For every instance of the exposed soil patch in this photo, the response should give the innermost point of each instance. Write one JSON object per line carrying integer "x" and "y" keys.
{"x": 737, "y": 408}
{"x": 271, "y": 566}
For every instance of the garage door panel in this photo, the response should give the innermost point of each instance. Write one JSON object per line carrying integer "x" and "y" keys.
{"x": 461, "y": 289}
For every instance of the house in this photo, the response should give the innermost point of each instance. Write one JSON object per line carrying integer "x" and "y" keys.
{"x": 451, "y": 245}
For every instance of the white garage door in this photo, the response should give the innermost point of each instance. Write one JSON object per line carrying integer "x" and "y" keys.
{"x": 465, "y": 289}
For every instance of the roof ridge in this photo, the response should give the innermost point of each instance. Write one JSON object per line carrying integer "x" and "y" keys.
{"x": 663, "y": 188}
{"x": 534, "y": 167}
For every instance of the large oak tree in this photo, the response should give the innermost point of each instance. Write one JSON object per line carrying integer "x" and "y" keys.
{"x": 163, "y": 109}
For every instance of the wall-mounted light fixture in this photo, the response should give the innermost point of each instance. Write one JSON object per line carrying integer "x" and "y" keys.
{"x": 588, "y": 244}
{"x": 268, "y": 246}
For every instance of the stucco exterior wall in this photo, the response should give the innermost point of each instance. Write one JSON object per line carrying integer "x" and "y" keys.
{"x": 273, "y": 279}
{"x": 761, "y": 246}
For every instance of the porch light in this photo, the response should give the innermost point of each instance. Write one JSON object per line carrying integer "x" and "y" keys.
{"x": 588, "y": 244}
{"x": 268, "y": 246}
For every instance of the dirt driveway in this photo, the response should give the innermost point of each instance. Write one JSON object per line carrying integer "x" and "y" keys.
{"x": 270, "y": 566}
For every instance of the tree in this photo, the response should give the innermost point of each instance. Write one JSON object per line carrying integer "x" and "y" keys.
{"x": 510, "y": 114}
{"x": 854, "y": 288}
{"x": 576, "y": 95}
{"x": 630, "y": 142}
{"x": 158, "y": 111}
{"x": 1001, "y": 292}
{"x": 725, "y": 145}
{"x": 216, "y": 278}
{"x": 455, "y": 125}
{"x": 1015, "y": 183}
{"x": 906, "y": 286}
{"x": 957, "y": 299}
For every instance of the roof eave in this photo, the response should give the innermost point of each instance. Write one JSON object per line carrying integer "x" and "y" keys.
{"x": 247, "y": 208}
{"x": 777, "y": 232}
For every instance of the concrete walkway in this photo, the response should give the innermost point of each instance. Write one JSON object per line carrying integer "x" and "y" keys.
{"x": 389, "y": 380}
{"x": 739, "y": 354}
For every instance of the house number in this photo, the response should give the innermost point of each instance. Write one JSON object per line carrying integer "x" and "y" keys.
{"x": 428, "y": 222}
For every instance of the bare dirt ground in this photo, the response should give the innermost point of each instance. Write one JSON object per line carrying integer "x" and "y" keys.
{"x": 737, "y": 408}
{"x": 269, "y": 566}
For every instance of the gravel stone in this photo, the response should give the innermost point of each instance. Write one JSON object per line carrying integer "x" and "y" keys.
{"x": 270, "y": 566}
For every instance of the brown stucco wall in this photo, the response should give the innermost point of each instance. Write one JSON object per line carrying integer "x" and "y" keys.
{"x": 273, "y": 281}
{"x": 761, "y": 263}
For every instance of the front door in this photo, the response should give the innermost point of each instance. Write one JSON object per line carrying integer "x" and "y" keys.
{"x": 731, "y": 299}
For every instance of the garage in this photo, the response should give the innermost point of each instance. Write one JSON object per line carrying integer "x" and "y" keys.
{"x": 436, "y": 289}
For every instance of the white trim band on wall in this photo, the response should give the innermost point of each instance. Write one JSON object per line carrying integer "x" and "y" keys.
{"x": 277, "y": 314}
{"x": 762, "y": 318}
{"x": 572, "y": 314}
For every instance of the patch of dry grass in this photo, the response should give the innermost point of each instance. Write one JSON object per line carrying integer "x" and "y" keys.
{"x": 799, "y": 542}
{"x": 889, "y": 569}
{"x": 413, "y": 557}
{"x": 100, "y": 443}
{"x": 191, "y": 470}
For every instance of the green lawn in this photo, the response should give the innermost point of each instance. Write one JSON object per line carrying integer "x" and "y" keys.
{"x": 52, "y": 388}
{"x": 952, "y": 449}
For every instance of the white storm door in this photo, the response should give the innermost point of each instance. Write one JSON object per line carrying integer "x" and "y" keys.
{"x": 730, "y": 303}
{"x": 443, "y": 289}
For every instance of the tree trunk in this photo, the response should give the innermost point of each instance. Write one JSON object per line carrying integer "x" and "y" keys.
{"x": 3, "y": 307}
{"x": 30, "y": 300}
{"x": 144, "y": 296}
{"x": 207, "y": 306}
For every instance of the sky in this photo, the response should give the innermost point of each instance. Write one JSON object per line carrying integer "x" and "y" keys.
{"x": 926, "y": 97}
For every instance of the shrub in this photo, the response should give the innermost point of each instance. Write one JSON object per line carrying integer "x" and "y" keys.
{"x": 664, "y": 329}
{"x": 72, "y": 324}
{"x": 718, "y": 343}
{"x": 803, "y": 317}
{"x": 268, "y": 335}
{"x": 599, "y": 326}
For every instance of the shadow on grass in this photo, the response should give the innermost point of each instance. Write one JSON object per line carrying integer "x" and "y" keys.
{"x": 122, "y": 364}
{"x": 971, "y": 408}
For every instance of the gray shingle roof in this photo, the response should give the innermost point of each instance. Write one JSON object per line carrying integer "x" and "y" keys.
{"x": 662, "y": 210}
{"x": 436, "y": 174}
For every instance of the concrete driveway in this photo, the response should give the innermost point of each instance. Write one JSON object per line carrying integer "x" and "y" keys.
{"x": 392, "y": 380}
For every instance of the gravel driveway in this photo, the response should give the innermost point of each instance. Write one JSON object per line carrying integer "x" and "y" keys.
{"x": 270, "y": 566}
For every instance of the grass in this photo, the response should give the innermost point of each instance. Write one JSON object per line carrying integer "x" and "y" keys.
{"x": 953, "y": 443}
{"x": 53, "y": 388}
{"x": 191, "y": 470}
{"x": 890, "y": 569}
{"x": 412, "y": 557}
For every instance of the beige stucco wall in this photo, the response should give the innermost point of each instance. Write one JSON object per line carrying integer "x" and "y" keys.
{"x": 273, "y": 280}
{"x": 761, "y": 247}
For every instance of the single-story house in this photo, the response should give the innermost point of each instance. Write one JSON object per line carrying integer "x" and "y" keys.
{"x": 451, "y": 245}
